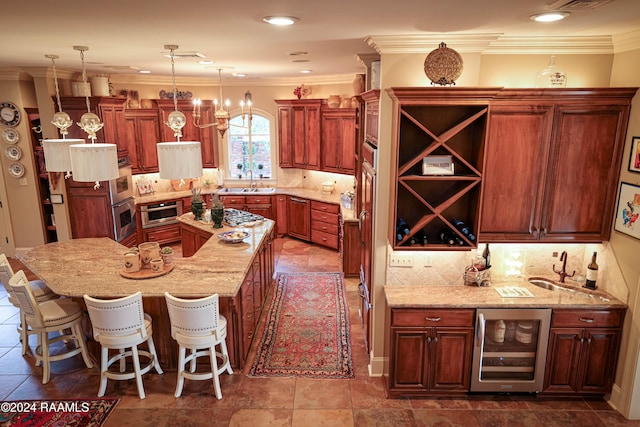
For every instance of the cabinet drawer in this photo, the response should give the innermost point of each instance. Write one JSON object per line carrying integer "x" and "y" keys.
{"x": 326, "y": 239}
{"x": 432, "y": 317}
{"x": 258, "y": 200}
{"x": 325, "y": 227}
{"x": 163, "y": 234}
{"x": 233, "y": 200}
{"x": 325, "y": 207}
{"x": 587, "y": 318}
{"x": 330, "y": 218}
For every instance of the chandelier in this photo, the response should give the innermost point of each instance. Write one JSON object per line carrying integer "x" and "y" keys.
{"x": 93, "y": 162}
{"x": 221, "y": 114}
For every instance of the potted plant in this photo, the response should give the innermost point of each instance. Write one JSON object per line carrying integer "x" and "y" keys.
{"x": 197, "y": 203}
{"x": 239, "y": 166}
{"x": 260, "y": 167}
{"x": 217, "y": 212}
{"x": 167, "y": 255}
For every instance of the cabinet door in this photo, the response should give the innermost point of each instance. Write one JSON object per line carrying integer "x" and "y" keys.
{"x": 112, "y": 114}
{"x": 90, "y": 211}
{"x": 306, "y": 136}
{"x": 599, "y": 360}
{"x": 563, "y": 358}
{"x": 338, "y": 141}
{"x": 189, "y": 238}
{"x": 299, "y": 137}
{"x": 142, "y": 134}
{"x": 450, "y": 359}
{"x": 285, "y": 139}
{"x": 409, "y": 360}
{"x": 515, "y": 165}
{"x": 586, "y": 155}
{"x": 281, "y": 215}
{"x": 298, "y": 218}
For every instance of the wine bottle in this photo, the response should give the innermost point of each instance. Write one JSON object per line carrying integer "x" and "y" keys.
{"x": 592, "y": 273}
{"x": 402, "y": 227}
{"x": 486, "y": 254}
{"x": 464, "y": 229}
{"x": 450, "y": 238}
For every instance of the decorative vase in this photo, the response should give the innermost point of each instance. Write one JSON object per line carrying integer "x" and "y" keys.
{"x": 217, "y": 215}
{"x": 358, "y": 84}
{"x": 167, "y": 258}
{"x": 197, "y": 209}
{"x": 551, "y": 76}
{"x": 334, "y": 101}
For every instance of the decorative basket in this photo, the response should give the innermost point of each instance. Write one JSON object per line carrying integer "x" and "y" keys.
{"x": 475, "y": 277}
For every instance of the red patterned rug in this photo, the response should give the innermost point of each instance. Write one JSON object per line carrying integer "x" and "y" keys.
{"x": 56, "y": 413}
{"x": 306, "y": 331}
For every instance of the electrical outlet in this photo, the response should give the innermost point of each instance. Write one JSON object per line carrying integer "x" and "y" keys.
{"x": 554, "y": 254}
{"x": 427, "y": 261}
{"x": 400, "y": 260}
{"x": 23, "y": 181}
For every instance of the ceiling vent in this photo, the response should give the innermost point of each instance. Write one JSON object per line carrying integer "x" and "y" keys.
{"x": 578, "y": 4}
{"x": 181, "y": 55}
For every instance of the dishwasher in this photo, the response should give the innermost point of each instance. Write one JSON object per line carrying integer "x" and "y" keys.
{"x": 510, "y": 349}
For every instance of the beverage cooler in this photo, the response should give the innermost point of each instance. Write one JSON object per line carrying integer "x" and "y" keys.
{"x": 510, "y": 349}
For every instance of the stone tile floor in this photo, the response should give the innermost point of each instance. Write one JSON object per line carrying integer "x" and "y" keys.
{"x": 284, "y": 401}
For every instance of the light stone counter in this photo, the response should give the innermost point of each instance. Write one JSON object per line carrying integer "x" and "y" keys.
{"x": 92, "y": 266}
{"x": 423, "y": 296}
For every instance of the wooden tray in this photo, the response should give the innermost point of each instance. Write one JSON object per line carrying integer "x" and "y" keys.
{"x": 146, "y": 273}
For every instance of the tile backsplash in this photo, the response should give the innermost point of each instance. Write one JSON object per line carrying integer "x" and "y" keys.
{"x": 512, "y": 262}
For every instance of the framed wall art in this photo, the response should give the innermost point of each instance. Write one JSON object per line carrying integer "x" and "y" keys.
{"x": 628, "y": 210}
{"x": 634, "y": 157}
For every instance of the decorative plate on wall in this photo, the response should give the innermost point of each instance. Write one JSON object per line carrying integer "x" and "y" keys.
{"x": 443, "y": 66}
{"x": 10, "y": 136}
{"x": 13, "y": 152}
{"x": 9, "y": 114}
{"x": 16, "y": 170}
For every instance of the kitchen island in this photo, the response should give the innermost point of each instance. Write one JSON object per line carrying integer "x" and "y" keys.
{"x": 92, "y": 266}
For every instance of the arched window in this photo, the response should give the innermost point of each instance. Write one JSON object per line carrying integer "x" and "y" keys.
{"x": 252, "y": 151}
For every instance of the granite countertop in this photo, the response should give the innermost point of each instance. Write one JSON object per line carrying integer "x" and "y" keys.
{"x": 425, "y": 296}
{"x": 92, "y": 266}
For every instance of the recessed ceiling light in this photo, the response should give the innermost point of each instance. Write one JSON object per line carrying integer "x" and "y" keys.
{"x": 144, "y": 72}
{"x": 297, "y": 53}
{"x": 240, "y": 75}
{"x": 300, "y": 60}
{"x": 306, "y": 71}
{"x": 549, "y": 16}
{"x": 280, "y": 20}
{"x": 205, "y": 62}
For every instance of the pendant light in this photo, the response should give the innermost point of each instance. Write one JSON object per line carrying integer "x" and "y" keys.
{"x": 56, "y": 151}
{"x": 179, "y": 159}
{"x": 96, "y": 161}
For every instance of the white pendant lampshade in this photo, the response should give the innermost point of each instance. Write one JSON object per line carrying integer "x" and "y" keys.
{"x": 56, "y": 154}
{"x": 94, "y": 162}
{"x": 179, "y": 160}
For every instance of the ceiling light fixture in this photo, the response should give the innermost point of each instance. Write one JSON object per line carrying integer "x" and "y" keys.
{"x": 280, "y": 20}
{"x": 306, "y": 71}
{"x": 181, "y": 159}
{"x": 92, "y": 162}
{"x": 549, "y": 16}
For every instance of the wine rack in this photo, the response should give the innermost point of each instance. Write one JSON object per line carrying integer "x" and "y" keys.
{"x": 438, "y": 122}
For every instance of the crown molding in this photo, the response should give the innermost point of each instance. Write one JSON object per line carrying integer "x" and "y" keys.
{"x": 147, "y": 79}
{"x": 626, "y": 42}
{"x": 493, "y": 44}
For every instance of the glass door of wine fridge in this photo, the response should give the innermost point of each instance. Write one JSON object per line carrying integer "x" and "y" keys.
{"x": 510, "y": 349}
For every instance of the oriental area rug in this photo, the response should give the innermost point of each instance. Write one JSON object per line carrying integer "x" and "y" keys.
{"x": 306, "y": 331}
{"x": 55, "y": 413}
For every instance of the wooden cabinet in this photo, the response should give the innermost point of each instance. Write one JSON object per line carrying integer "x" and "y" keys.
{"x": 260, "y": 205}
{"x": 324, "y": 224}
{"x": 299, "y": 218}
{"x": 299, "y": 133}
{"x": 548, "y": 154}
{"x": 142, "y": 130}
{"x": 338, "y": 140}
{"x": 448, "y": 122}
{"x": 90, "y": 211}
{"x": 281, "y": 214}
{"x": 349, "y": 247}
{"x": 583, "y": 351}
{"x": 163, "y": 234}
{"x": 192, "y": 239}
{"x": 371, "y": 101}
{"x": 208, "y": 135}
{"x": 429, "y": 351}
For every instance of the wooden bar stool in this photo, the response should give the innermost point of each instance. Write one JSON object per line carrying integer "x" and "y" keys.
{"x": 197, "y": 326}
{"x": 121, "y": 324}
{"x": 50, "y": 316}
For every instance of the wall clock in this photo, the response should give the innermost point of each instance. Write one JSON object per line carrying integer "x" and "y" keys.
{"x": 16, "y": 170}
{"x": 10, "y": 136}
{"x": 9, "y": 114}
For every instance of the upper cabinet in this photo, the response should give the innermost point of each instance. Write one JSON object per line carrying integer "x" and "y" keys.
{"x": 445, "y": 128}
{"x": 299, "y": 133}
{"x": 338, "y": 152}
{"x": 371, "y": 101}
{"x": 207, "y": 135}
{"x": 143, "y": 133}
{"x": 552, "y": 164}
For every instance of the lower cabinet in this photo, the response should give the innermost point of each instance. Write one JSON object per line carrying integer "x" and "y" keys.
{"x": 324, "y": 224}
{"x": 192, "y": 239}
{"x": 298, "y": 218}
{"x": 259, "y": 205}
{"x": 349, "y": 248}
{"x": 429, "y": 351}
{"x": 583, "y": 351}
{"x": 162, "y": 234}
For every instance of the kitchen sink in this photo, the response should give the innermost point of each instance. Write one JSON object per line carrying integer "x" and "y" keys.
{"x": 247, "y": 190}
{"x": 551, "y": 285}
{"x": 544, "y": 283}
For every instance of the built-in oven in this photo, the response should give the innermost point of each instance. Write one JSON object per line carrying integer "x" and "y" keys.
{"x": 124, "y": 219}
{"x": 121, "y": 188}
{"x": 510, "y": 349}
{"x": 162, "y": 213}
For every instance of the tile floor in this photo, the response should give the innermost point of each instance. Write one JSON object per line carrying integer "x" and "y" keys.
{"x": 284, "y": 401}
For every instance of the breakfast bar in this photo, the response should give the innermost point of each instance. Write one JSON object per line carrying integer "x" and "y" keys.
{"x": 237, "y": 272}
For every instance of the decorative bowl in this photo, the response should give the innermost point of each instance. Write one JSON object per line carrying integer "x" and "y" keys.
{"x": 233, "y": 236}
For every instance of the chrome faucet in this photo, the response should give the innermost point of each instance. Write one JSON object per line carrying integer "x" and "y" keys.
{"x": 563, "y": 273}
{"x": 252, "y": 183}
